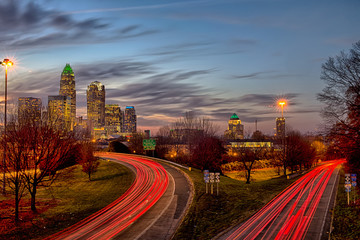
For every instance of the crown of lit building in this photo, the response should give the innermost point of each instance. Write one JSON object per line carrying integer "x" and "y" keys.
{"x": 235, "y": 129}
{"x": 68, "y": 70}
{"x": 96, "y": 84}
{"x": 235, "y": 117}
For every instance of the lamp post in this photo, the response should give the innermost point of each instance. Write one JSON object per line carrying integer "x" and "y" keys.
{"x": 7, "y": 63}
{"x": 282, "y": 103}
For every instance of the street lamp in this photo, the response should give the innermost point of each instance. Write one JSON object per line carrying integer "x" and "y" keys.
{"x": 7, "y": 63}
{"x": 282, "y": 103}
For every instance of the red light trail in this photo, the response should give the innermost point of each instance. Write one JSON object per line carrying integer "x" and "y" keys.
{"x": 288, "y": 215}
{"x": 150, "y": 184}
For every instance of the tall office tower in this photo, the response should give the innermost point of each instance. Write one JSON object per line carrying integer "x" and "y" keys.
{"x": 113, "y": 121}
{"x": 59, "y": 112}
{"x": 29, "y": 110}
{"x": 67, "y": 88}
{"x": 96, "y": 104}
{"x": 280, "y": 127}
{"x": 130, "y": 120}
{"x": 235, "y": 129}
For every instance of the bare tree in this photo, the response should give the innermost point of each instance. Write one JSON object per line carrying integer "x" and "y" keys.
{"x": 136, "y": 143}
{"x": 47, "y": 149}
{"x": 341, "y": 96}
{"x": 248, "y": 156}
{"x": 87, "y": 159}
{"x": 40, "y": 150}
{"x": 14, "y": 167}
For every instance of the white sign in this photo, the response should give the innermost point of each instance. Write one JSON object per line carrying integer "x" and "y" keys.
{"x": 217, "y": 177}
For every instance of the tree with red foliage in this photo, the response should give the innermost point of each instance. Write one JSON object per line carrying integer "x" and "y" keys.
{"x": 208, "y": 154}
{"x": 341, "y": 96}
{"x": 87, "y": 159}
{"x": 35, "y": 150}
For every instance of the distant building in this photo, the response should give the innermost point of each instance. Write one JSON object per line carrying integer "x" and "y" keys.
{"x": 67, "y": 88}
{"x": 147, "y": 134}
{"x": 96, "y": 104}
{"x": 59, "y": 112}
{"x": 235, "y": 129}
{"x": 113, "y": 120}
{"x": 29, "y": 110}
{"x": 280, "y": 127}
{"x": 130, "y": 120}
{"x": 81, "y": 129}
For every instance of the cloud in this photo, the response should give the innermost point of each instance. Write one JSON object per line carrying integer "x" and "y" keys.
{"x": 136, "y": 8}
{"x": 32, "y": 25}
{"x": 104, "y": 70}
{"x": 271, "y": 74}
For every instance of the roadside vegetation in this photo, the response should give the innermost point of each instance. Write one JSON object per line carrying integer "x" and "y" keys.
{"x": 341, "y": 96}
{"x": 346, "y": 222}
{"x": 69, "y": 199}
{"x": 237, "y": 201}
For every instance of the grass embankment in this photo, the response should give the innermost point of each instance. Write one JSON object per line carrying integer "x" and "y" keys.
{"x": 346, "y": 222}
{"x": 70, "y": 198}
{"x": 258, "y": 174}
{"x": 211, "y": 214}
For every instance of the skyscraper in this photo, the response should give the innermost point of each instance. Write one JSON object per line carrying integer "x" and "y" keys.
{"x": 67, "y": 88}
{"x": 96, "y": 104}
{"x": 59, "y": 112}
{"x": 130, "y": 120}
{"x": 113, "y": 121}
{"x": 280, "y": 127}
{"x": 29, "y": 110}
{"x": 235, "y": 129}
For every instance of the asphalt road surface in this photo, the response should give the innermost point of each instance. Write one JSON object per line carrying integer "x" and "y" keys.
{"x": 150, "y": 184}
{"x": 300, "y": 212}
{"x": 152, "y": 208}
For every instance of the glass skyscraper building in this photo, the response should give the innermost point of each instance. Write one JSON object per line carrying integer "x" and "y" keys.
{"x": 67, "y": 88}
{"x": 96, "y": 104}
{"x": 59, "y": 112}
{"x": 130, "y": 120}
{"x": 29, "y": 110}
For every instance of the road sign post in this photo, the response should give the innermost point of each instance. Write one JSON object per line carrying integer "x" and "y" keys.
{"x": 353, "y": 183}
{"x": 347, "y": 186}
{"x": 206, "y": 178}
{"x": 212, "y": 177}
{"x": 217, "y": 180}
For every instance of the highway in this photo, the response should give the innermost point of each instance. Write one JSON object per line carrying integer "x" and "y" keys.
{"x": 298, "y": 212}
{"x": 150, "y": 184}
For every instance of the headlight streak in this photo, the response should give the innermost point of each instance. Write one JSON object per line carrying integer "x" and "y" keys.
{"x": 150, "y": 184}
{"x": 297, "y": 205}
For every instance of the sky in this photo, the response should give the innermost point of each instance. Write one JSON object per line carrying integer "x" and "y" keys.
{"x": 212, "y": 57}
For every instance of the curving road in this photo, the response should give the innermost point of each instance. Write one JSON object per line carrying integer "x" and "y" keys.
{"x": 150, "y": 184}
{"x": 297, "y": 213}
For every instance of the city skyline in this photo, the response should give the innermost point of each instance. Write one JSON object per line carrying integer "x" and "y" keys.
{"x": 169, "y": 57}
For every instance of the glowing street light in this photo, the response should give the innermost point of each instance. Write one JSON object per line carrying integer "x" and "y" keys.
{"x": 7, "y": 63}
{"x": 282, "y": 103}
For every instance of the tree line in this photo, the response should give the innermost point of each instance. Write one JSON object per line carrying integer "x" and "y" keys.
{"x": 341, "y": 97}
{"x": 32, "y": 153}
{"x": 193, "y": 141}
